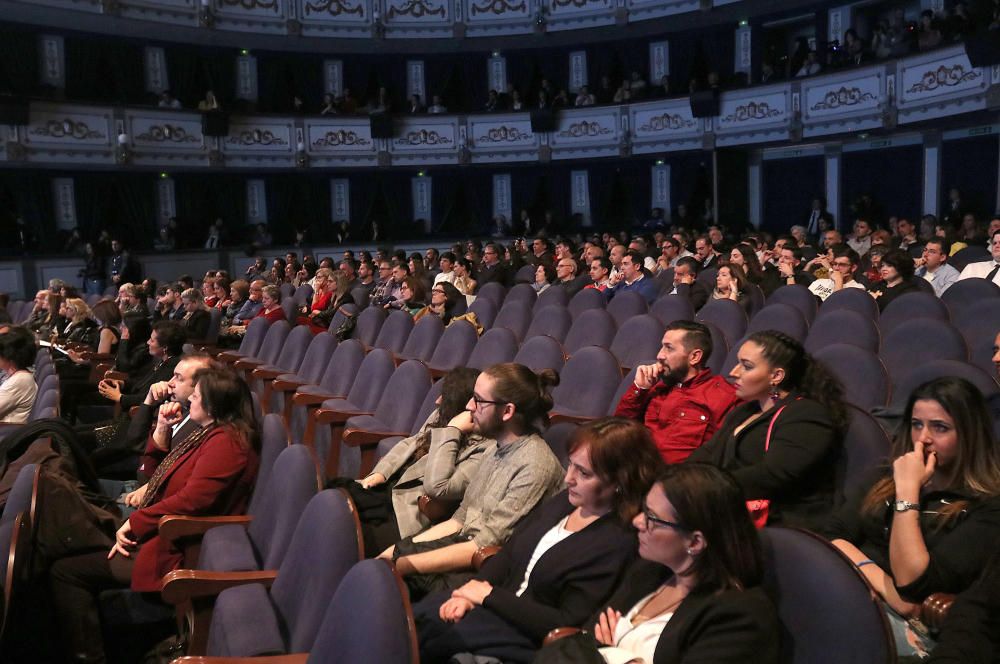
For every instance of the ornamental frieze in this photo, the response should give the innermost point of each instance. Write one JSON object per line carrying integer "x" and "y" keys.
{"x": 416, "y": 9}
{"x": 843, "y": 97}
{"x": 755, "y": 110}
{"x": 584, "y": 128}
{"x": 166, "y": 133}
{"x": 332, "y": 139}
{"x": 250, "y": 5}
{"x": 498, "y": 7}
{"x": 503, "y": 134}
{"x": 334, "y": 8}
{"x": 256, "y": 137}
{"x": 944, "y": 77}
{"x": 423, "y": 137}
{"x": 667, "y": 121}
{"x": 578, "y": 4}
{"x": 68, "y": 128}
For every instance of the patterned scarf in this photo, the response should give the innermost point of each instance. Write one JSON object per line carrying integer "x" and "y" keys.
{"x": 188, "y": 444}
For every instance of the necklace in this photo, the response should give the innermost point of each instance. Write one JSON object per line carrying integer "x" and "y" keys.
{"x": 641, "y": 617}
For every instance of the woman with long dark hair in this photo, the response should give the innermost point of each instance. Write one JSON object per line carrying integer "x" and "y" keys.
{"x": 695, "y": 595}
{"x": 782, "y": 445}
{"x": 210, "y": 472}
{"x": 444, "y": 297}
{"x": 931, "y": 520}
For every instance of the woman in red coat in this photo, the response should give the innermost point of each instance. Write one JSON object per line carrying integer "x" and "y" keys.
{"x": 323, "y": 287}
{"x": 210, "y": 472}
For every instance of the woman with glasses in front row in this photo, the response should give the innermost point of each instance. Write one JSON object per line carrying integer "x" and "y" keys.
{"x": 695, "y": 595}
{"x": 560, "y": 564}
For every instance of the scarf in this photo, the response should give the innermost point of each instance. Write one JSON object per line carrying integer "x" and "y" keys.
{"x": 191, "y": 442}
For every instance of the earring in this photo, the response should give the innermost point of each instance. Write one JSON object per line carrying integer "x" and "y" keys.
{"x": 690, "y": 552}
{"x": 774, "y": 394}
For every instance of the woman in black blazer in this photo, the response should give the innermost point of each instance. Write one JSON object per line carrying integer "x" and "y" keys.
{"x": 196, "y": 317}
{"x": 561, "y": 563}
{"x": 783, "y": 444}
{"x": 695, "y": 594}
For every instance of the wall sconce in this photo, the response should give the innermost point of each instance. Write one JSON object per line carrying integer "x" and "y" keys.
{"x": 301, "y": 156}
{"x": 122, "y": 154}
{"x": 206, "y": 18}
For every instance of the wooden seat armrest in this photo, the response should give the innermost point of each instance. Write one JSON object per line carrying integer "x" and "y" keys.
{"x": 559, "y": 633}
{"x": 104, "y": 368}
{"x": 437, "y": 509}
{"x": 174, "y": 527}
{"x": 210, "y": 349}
{"x": 437, "y": 373}
{"x": 133, "y": 411}
{"x": 935, "y": 609}
{"x": 301, "y": 399}
{"x": 100, "y": 357}
{"x": 262, "y": 373}
{"x": 183, "y": 585}
{"x": 324, "y": 416}
{"x": 298, "y": 658}
{"x": 229, "y": 356}
{"x": 115, "y": 375}
{"x": 357, "y": 438}
{"x": 483, "y": 554}
{"x": 248, "y": 363}
{"x": 287, "y": 385}
{"x": 556, "y": 418}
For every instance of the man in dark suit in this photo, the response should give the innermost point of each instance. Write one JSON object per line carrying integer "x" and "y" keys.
{"x": 818, "y": 214}
{"x": 492, "y": 269}
{"x": 705, "y": 252}
{"x": 686, "y": 284}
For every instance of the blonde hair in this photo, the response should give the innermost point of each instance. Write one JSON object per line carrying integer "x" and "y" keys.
{"x": 83, "y": 311}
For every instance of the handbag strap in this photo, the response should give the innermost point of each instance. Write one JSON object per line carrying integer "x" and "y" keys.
{"x": 770, "y": 426}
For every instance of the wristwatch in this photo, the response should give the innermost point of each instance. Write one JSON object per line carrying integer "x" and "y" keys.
{"x": 905, "y": 506}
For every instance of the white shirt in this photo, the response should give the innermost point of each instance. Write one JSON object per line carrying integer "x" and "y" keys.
{"x": 823, "y": 288}
{"x": 444, "y": 276}
{"x": 556, "y": 534}
{"x": 17, "y": 396}
{"x": 980, "y": 270}
{"x": 636, "y": 644}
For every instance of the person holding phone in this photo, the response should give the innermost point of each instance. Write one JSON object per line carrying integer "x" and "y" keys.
{"x": 678, "y": 398}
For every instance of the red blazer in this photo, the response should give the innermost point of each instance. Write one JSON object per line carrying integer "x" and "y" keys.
{"x": 216, "y": 478}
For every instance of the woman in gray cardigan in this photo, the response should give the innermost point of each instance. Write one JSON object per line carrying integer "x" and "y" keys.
{"x": 437, "y": 461}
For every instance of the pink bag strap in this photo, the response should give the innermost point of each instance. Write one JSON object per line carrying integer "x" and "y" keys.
{"x": 770, "y": 427}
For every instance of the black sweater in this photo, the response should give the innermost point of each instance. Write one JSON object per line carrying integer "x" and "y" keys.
{"x": 958, "y": 552}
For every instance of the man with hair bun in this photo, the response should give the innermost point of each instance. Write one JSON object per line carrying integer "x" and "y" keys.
{"x": 510, "y": 404}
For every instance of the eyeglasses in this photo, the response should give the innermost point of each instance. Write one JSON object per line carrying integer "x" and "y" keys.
{"x": 438, "y": 290}
{"x": 479, "y": 401}
{"x": 658, "y": 522}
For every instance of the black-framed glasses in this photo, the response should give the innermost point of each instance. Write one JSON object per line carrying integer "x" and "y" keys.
{"x": 479, "y": 401}
{"x": 657, "y": 521}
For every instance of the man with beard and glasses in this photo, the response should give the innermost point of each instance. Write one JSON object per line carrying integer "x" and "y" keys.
{"x": 510, "y": 404}
{"x": 679, "y": 399}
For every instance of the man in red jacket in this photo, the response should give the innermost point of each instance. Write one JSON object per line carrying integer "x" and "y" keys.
{"x": 679, "y": 399}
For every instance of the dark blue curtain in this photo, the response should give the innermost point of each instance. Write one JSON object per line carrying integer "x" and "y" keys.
{"x": 970, "y": 164}
{"x": 789, "y": 187}
{"x": 892, "y": 176}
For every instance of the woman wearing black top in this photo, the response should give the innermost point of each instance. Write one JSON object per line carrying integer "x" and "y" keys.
{"x": 561, "y": 563}
{"x": 930, "y": 522}
{"x": 896, "y": 272}
{"x": 196, "y": 317}
{"x": 782, "y": 445}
